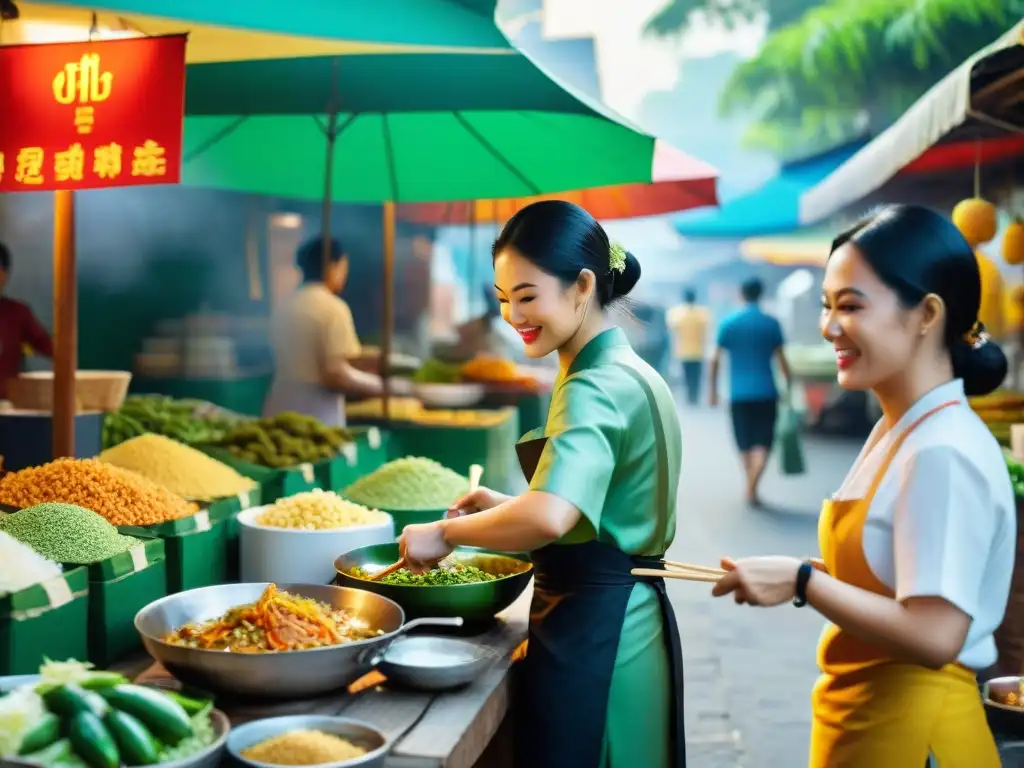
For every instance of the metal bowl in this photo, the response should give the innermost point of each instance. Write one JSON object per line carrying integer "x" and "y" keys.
{"x": 371, "y": 739}
{"x": 430, "y": 663}
{"x": 473, "y": 602}
{"x": 286, "y": 674}
{"x": 436, "y": 395}
{"x": 1005, "y": 718}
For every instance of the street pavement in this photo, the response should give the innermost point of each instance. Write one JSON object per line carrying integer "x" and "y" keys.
{"x": 749, "y": 671}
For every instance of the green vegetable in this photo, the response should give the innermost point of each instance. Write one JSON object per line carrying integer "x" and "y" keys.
{"x": 70, "y": 699}
{"x": 188, "y": 421}
{"x": 92, "y": 741}
{"x": 65, "y": 533}
{"x": 286, "y": 440}
{"x": 438, "y": 372}
{"x": 191, "y": 706}
{"x": 56, "y": 673}
{"x": 58, "y": 753}
{"x": 1016, "y": 474}
{"x": 411, "y": 483}
{"x": 435, "y": 577}
{"x": 97, "y": 680}
{"x": 163, "y": 716}
{"x": 202, "y": 737}
{"x": 43, "y": 734}
{"x": 135, "y": 742}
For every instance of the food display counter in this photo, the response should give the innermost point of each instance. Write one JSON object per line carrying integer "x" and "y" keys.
{"x": 466, "y": 728}
{"x": 125, "y": 557}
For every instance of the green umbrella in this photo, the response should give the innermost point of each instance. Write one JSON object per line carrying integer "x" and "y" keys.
{"x": 452, "y": 23}
{"x": 410, "y": 128}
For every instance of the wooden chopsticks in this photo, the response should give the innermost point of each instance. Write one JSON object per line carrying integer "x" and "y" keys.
{"x": 387, "y": 571}
{"x": 683, "y": 572}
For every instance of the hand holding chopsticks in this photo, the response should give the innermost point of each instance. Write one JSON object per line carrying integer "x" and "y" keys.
{"x": 682, "y": 571}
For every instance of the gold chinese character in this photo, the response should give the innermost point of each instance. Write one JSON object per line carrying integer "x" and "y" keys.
{"x": 82, "y": 81}
{"x": 1, "y": 166}
{"x": 149, "y": 160}
{"x": 85, "y": 118}
{"x": 107, "y": 161}
{"x": 30, "y": 166}
{"x": 69, "y": 165}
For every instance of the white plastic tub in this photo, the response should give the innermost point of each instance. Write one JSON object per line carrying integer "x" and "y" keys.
{"x": 289, "y": 556}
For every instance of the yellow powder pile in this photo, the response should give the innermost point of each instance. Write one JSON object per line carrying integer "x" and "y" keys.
{"x": 177, "y": 467}
{"x": 120, "y": 496}
{"x": 303, "y": 748}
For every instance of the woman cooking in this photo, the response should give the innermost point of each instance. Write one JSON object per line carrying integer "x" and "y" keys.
{"x": 918, "y": 544}
{"x": 601, "y": 500}
{"x": 314, "y": 339}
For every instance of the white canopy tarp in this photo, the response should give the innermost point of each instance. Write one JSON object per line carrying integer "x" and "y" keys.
{"x": 943, "y": 108}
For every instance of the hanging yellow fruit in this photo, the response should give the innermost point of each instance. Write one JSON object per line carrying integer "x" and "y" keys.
{"x": 1013, "y": 242}
{"x": 976, "y": 220}
{"x": 992, "y": 296}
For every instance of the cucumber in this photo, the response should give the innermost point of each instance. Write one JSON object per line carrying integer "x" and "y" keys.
{"x": 102, "y": 679}
{"x": 191, "y": 706}
{"x": 41, "y": 735}
{"x": 136, "y": 744}
{"x": 164, "y": 717}
{"x": 57, "y": 753}
{"x": 69, "y": 699}
{"x": 92, "y": 741}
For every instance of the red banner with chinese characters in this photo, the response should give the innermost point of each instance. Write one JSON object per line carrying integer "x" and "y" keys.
{"x": 91, "y": 115}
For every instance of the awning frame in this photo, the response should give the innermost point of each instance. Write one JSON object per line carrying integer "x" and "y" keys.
{"x": 946, "y": 107}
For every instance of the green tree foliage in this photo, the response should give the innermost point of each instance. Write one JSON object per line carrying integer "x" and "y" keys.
{"x": 850, "y": 67}
{"x": 675, "y": 17}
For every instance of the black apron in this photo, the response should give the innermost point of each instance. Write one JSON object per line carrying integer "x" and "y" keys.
{"x": 580, "y": 596}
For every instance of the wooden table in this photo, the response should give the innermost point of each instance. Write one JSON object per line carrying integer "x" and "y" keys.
{"x": 444, "y": 730}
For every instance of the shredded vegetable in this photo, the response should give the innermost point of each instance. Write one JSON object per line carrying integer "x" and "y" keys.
{"x": 278, "y": 621}
{"x": 20, "y": 710}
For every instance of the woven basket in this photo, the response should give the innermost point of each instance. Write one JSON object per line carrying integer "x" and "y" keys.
{"x": 94, "y": 390}
{"x": 1010, "y": 635}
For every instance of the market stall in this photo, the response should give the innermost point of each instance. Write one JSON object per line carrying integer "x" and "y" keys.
{"x": 121, "y": 598}
{"x": 971, "y": 117}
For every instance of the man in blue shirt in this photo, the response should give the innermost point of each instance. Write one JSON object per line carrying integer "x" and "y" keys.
{"x": 752, "y": 339}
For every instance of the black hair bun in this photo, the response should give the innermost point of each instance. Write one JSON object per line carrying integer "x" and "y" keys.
{"x": 627, "y": 278}
{"x": 983, "y": 368}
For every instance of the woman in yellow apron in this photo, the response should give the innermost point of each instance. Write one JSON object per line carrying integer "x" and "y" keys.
{"x": 918, "y": 544}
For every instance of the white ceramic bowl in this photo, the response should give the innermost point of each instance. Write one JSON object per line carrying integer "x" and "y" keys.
{"x": 289, "y": 556}
{"x": 450, "y": 395}
{"x": 258, "y": 731}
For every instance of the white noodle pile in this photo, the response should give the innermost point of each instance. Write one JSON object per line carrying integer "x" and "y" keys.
{"x": 21, "y": 566}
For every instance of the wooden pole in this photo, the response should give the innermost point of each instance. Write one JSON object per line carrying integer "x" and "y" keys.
{"x": 332, "y": 134}
{"x": 388, "y": 328}
{"x": 65, "y": 323}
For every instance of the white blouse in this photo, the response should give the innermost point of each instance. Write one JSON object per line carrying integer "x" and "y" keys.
{"x": 943, "y": 522}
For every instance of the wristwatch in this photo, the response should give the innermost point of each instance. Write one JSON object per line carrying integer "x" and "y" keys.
{"x": 803, "y": 575}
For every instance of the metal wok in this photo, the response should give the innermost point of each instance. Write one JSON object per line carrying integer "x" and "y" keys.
{"x": 278, "y": 675}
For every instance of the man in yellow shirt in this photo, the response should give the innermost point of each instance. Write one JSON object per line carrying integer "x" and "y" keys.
{"x": 314, "y": 339}
{"x": 688, "y": 323}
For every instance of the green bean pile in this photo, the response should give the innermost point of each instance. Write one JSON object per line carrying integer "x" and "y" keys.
{"x": 187, "y": 421}
{"x": 435, "y": 577}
